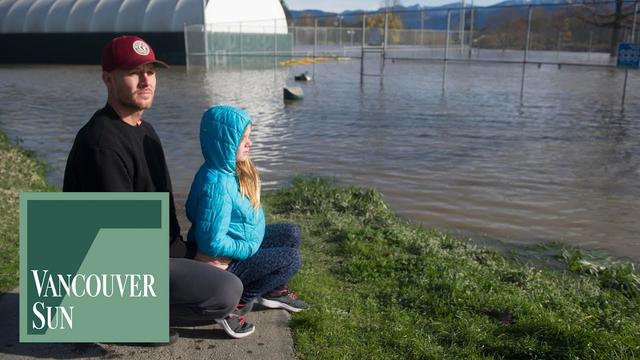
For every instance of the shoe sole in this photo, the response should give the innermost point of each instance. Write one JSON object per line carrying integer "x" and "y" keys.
{"x": 232, "y": 333}
{"x": 277, "y": 305}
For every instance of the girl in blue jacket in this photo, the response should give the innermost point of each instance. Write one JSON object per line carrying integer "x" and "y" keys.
{"x": 227, "y": 222}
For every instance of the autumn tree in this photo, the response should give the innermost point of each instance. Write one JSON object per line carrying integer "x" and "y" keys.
{"x": 603, "y": 15}
{"x": 394, "y": 23}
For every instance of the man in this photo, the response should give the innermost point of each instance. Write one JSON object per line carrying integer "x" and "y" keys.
{"x": 119, "y": 151}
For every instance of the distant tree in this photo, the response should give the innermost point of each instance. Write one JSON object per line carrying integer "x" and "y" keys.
{"x": 395, "y": 23}
{"x": 306, "y": 20}
{"x": 603, "y": 15}
{"x": 505, "y": 30}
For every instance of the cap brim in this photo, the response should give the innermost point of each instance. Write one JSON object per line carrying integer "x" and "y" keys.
{"x": 161, "y": 63}
{"x": 135, "y": 65}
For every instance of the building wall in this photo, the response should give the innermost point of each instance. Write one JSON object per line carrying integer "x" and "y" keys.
{"x": 84, "y": 48}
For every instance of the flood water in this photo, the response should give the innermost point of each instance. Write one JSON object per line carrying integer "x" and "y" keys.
{"x": 563, "y": 166}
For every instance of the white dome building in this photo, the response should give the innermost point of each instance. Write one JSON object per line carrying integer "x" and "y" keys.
{"x": 70, "y": 16}
{"x": 48, "y": 25}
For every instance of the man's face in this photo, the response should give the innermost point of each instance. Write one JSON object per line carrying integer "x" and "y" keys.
{"x": 133, "y": 89}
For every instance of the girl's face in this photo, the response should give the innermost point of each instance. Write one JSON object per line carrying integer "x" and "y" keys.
{"x": 242, "y": 153}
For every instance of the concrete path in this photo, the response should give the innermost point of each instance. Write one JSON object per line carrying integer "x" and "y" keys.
{"x": 271, "y": 340}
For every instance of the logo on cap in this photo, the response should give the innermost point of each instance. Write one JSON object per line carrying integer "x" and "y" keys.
{"x": 141, "y": 48}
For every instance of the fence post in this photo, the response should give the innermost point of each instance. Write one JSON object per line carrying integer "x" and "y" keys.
{"x": 526, "y": 54}
{"x": 558, "y": 47}
{"x": 206, "y": 34}
{"x": 364, "y": 30}
{"x": 315, "y": 44}
{"x": 462, "y": 23}
{"x": 633, "y": 38}
{"x": 635, "y": 19}
{"x": 446, "y": 53}
{"x": 186, "y": 47}
{"x": 386, "y": 41}
{"x": 206, "y": 47}
{"x": 590, "y": 44}
{"x": 340, "y": 30}
{"x": 471, "y": 30}
{"x": 422, "y": 25}
{"x": 386, "y": 27}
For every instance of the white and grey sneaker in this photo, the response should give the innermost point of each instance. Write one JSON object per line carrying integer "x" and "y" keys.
{"x": 283, "y": 299}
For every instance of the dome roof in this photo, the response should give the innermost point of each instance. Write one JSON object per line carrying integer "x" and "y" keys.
{"x": 38, "y": 16}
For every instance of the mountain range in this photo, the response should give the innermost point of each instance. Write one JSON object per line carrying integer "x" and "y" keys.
{"x": 436, "y": 16}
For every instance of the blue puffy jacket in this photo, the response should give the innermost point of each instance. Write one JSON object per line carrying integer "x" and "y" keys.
{"x": 223, "y": 222}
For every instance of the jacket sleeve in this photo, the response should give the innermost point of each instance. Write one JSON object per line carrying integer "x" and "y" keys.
{"x": 212, "y": 228}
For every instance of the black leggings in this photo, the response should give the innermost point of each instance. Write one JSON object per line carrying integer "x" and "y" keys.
{"x": 200, "y": 292}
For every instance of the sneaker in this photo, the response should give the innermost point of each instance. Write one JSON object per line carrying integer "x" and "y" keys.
{"x": 283, "y": 299}
{"x": 235, "y": 325}
{"x": 244, "y": 309}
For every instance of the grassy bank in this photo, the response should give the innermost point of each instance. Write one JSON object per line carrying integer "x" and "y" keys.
{"x": 384, "y": 289}
{"x": 19, "y": 171}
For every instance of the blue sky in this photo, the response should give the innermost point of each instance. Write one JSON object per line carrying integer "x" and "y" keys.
{"x": 341, "y": 5}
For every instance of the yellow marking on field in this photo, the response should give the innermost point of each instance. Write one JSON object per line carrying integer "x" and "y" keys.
{"x": 305, "y": 61}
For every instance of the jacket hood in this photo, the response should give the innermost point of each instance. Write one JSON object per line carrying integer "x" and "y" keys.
{"x": 221, "y": 130}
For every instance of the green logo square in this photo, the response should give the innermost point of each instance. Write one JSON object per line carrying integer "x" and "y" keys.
{"x": 94, "y": 267}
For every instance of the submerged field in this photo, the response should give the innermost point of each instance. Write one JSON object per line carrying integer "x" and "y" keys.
{"x": 19, "y": 171}
{"x": 381, "y": 288}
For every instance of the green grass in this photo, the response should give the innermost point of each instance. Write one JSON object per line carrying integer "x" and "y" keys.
{"x": 381, "y": 288}
{"x": 19, "y": 171}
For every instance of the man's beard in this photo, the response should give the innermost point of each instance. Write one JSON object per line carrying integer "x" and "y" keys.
{"x": 136, "y": 106}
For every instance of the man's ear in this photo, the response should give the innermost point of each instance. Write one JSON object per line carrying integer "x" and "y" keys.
{"x": 106, "y": 78}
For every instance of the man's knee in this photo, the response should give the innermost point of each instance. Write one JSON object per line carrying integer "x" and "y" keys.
{"x": 232, "y": 291}
{"x": 200, "y": 286}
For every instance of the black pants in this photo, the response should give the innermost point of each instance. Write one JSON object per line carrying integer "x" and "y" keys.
{"x": 200, "y": 293}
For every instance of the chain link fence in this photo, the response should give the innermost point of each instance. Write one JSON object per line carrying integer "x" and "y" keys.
{"x": 573, "y": 34}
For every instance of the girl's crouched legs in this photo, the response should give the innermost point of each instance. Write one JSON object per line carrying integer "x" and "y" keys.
{"x": 282, "y": 235}
{"x": 266, "y": 270}
{"x": 199, "y": 292}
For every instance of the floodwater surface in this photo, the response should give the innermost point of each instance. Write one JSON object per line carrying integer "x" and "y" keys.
{"x": 562, "y": 166}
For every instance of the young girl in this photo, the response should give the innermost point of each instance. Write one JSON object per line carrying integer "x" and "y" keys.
{"x": 228, "y": 223}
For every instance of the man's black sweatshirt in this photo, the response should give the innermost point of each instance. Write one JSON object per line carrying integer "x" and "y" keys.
{"x": 111, "y": 155}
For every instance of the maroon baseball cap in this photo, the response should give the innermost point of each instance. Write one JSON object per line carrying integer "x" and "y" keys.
{"x": 127, "y": 52}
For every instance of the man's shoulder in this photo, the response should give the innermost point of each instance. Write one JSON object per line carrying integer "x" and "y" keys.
{"x": 100, "y": 131}
{"x": 148, "y": 128}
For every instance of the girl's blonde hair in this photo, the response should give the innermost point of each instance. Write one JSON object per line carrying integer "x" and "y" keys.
{"x": 249, "y": 180}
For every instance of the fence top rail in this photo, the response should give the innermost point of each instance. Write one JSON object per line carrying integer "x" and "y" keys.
{"x": 446, "y": 8}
